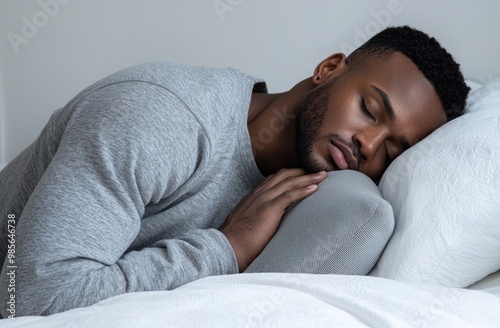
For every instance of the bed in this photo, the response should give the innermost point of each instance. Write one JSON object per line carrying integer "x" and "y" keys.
{"x": 286, "y": 300}
{"x": 439, "y": 268}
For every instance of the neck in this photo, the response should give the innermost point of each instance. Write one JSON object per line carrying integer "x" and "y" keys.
{"x": 272, "y": 120}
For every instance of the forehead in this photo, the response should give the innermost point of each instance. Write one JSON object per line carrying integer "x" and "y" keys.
{"x": 416, "y": 105}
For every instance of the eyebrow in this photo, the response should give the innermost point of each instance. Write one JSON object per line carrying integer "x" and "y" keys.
{"x": 389, "y": 110}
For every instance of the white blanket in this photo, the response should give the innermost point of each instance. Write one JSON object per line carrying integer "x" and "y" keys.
{"x": 285, "y": 300}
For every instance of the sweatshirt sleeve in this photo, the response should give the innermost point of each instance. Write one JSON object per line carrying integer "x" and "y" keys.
{"x": 122, "y": 149}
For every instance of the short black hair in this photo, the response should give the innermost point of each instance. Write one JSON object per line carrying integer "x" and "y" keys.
{"x": 436, "y": 64}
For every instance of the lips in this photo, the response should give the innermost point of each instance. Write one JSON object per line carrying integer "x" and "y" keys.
{"x": 342, "y": 156}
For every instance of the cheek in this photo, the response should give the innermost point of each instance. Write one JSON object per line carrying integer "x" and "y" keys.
{"x": 374, "y": 168}
{"x": 342, "y": 116}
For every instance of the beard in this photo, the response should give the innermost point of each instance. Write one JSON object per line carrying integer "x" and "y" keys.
{"x": 311, "y": 114}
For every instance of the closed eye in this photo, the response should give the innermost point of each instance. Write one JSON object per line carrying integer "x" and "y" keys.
{"x": 365, "y": 110}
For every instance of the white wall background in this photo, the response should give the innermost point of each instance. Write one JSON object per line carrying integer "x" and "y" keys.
{"x": 52, "y": 49}
{"x": 3, "y": 143}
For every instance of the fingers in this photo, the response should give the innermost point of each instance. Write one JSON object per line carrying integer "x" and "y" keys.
{"x": 253, "y": 222}
{"x": 279, "y": 176}
{"x": 289, "y": 197}
{"x": 290, "y": 185}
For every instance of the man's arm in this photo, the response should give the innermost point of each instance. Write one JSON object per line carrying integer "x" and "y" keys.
{"x": 86, "y": 210}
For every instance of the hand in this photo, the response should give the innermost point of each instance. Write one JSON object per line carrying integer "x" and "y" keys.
{"x": 252, "y": 224}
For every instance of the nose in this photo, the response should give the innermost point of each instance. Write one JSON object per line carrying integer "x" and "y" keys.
{"x": 369, "y": 141}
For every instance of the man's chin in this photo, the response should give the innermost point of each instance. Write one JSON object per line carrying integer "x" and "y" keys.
{"x": 313, "y": 165}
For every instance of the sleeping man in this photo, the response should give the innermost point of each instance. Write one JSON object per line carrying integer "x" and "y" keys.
{"x": 162, "y": 174}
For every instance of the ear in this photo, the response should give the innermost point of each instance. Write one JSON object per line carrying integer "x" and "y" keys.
{"x": 330, "y": 67}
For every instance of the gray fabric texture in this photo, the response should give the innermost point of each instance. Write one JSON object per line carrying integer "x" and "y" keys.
{"x": 126, "y": 186}
{"x": 342, "y": 228}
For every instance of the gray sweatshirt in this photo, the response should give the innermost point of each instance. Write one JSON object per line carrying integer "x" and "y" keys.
{"x": 126, "y": 186}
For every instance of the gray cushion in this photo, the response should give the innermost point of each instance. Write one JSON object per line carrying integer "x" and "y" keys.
{"x": 341, "y": 229}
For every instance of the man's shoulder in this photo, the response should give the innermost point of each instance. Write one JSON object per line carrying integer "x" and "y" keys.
{"x": 215, "y": 97}
{"x": 170, "y": 74}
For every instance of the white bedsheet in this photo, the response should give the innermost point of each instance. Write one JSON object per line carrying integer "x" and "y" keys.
{"x": 285, "y": 300}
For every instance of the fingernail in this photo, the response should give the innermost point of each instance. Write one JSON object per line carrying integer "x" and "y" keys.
{"x": 312, "y": 187}
{"x": 320, "y": 174}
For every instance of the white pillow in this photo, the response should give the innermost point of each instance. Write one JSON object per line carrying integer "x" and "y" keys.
{"x": 445, "y": 193}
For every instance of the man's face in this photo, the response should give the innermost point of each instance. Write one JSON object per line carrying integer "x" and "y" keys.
{"x": 346, "y": 121}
